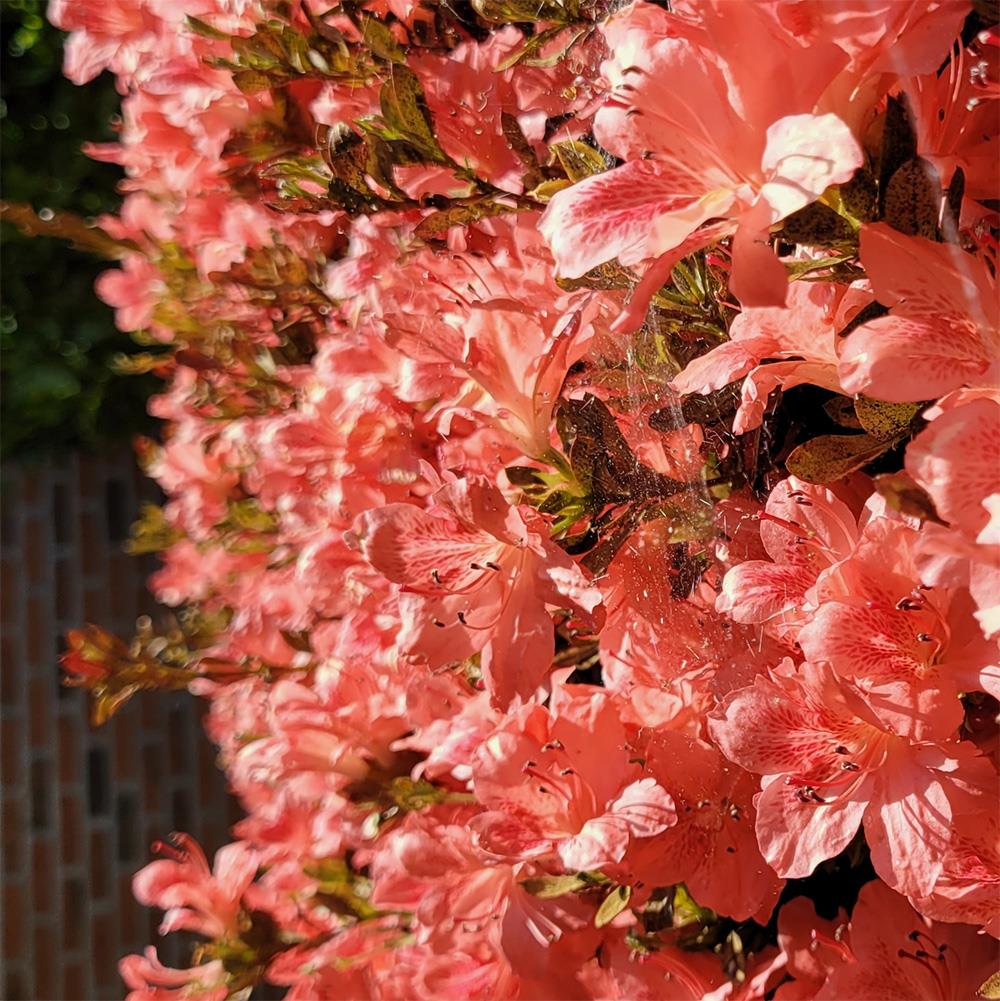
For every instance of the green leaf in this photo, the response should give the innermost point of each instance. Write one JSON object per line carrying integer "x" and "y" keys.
{"x": 438, "y": 223}
{"x": 990, "y": 988}
{"x": 297, "y": 640}
{"x": 799, "y": 269}
{"x": 579, "y": 160}
{"x": 543, "y": 192}
{"x": 252, "y": 82}
{"x": 526, "y": 477}
{"x": 249, "y": 515}
{"x": 870, "y": 312}
{"x": 524, "y": 11}
{"x": 831, "y": 456}
{"x": 405, "y": 112}
{"x": 601, "y": 457}
{"x": 415, "y": 794}
{"x": 858, "y": 197}
{"x": 204, "y": 29}
{"x": 380, "y": 39}
{"x": 570, "y": 37}
{"x": 152, "y": 533}
{"x": 547, "y": 887}
{"x": 605, "y": 276}
{"x": 902, "y": 494}
{"x": 529, "y": 47}
{"x": 522, "y": 149}
{"x": 687, "y": 911}
{"x": 614, "y": 903}
{"x": 885, "y": 421}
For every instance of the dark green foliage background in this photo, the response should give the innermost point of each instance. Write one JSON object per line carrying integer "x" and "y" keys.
{"x": 57, "y": 339}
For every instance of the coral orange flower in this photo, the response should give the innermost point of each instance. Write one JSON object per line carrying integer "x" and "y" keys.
{"x": 705, "y": 137}
{"x": 476, "y": 575}
{"x": 943, "y": 327}
{"x": 829, "y": 765}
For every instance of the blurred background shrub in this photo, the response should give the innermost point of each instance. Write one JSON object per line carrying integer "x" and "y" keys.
{"x": 57, "y": 339}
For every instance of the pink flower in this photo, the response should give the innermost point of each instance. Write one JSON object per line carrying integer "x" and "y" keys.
{"x": 431, "y": 866}
{"x": 196, "y": 898}
{"x": 149, "y": 980}
{"x": 896, "y": 953}
{"x": 712, "y": 848}
{"x": 617, "y": 973}
{"x": 811, "y": 948}
{"x": 968, "y": 888}
{"x": 941, "y": 331}
{"x": 706, "y": 134}
{"x": 804, "y": 332}
{"x": 806, "y": 530}
{"x": 829, "y": 764}
{"x": 952, "y": 459}
{"x": 559, "y": 783}
{"x": 133, "y": 292}
{"x": 468, "y": 94}
{"x": 956, "y": 128}
{"x": 476, "y": 575}
{"x": 911, "y": 649}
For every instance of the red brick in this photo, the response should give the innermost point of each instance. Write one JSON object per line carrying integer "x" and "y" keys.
{"x": 10, "y": 487}
{"x": 69, "y": 746}
{"x": 31, "y": 489}
{"x": 207, "y": 766}
{"x": 101, "y": 860}
{"x": 128, "y": 907}
{"x": 71, "y": 827}
{"x": 38, "y": 634}
{"x": 105, "y": 948}
{"x": 65, "y": 587}
{"x": 93, "y": 554}
{"x": 74, "y": 982}
{"x": 152, "y": 778}
{"x": 14, "y": 904}
{"x": 40, "y": 710}
{"x": 17, "y": 987}
{"x": 44, "y": 865}
{"x": 150, "y": 711}
{"x": 123, "y": 587}
{"x": 76, "y": 902}
{"x": 10, "y": 588}
{"x": 126, "y": 743}
{"x": 34, "y": 557}
{"x": 94, "y": 604}
{"x": 91, "y": 477}
{"x": 46, "y": 971}
{"x": 15, "y": 836}
{"x": 41, "y": 794}
{"x": 179, "y": 747}
{"x": 11, "y": 667}
{"x": 11, "y": 752}
{"x": 62, "y": 514}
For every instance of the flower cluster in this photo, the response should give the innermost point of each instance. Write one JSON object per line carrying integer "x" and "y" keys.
{"x": 581, "y": 442}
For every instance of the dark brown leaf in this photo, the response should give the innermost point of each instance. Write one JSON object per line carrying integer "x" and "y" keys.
{"x": 913, "y": 199}
{"x": 831, "y": 456}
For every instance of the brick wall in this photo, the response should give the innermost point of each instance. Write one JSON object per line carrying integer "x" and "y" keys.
{"x": 80, "y": 807}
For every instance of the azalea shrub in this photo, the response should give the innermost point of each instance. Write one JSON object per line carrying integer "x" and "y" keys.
{"x": 580, "y": 434}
